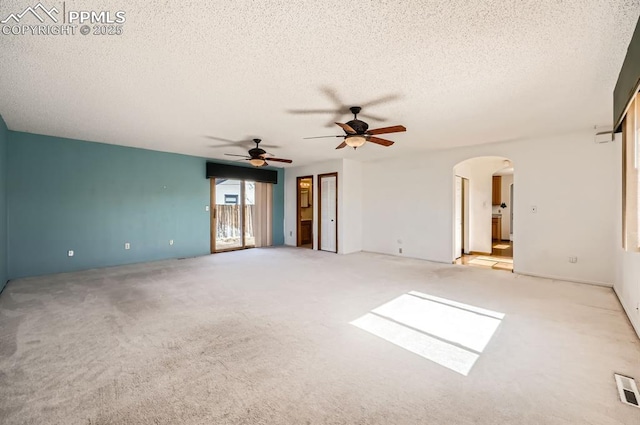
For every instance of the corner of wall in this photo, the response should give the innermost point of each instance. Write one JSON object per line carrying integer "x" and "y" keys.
{"x": 4, "y": 136}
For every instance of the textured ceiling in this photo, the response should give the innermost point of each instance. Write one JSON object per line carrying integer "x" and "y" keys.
{"x": 461, "y": 73}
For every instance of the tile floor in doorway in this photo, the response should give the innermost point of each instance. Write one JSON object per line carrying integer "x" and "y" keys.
{"x": 501, "y": 257}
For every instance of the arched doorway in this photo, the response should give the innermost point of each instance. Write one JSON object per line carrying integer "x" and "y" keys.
{"x": 483, "y": 212}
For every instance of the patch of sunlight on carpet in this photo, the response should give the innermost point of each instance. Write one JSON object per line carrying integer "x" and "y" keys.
{"x": 447, "y": 332}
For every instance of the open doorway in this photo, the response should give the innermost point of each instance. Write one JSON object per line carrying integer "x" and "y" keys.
{"x": 461, "y": 238}
{"x": 502, "y": 214}
{"x": 305, "y": 216}
{"x": 483, "y": 213}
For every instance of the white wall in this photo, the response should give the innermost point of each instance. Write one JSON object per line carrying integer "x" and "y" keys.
{"x": 351, "y": 220}
{"x": 350, "y": 211}
{"x": 627, "y": 278}
{"x": 569, "y": 178}
{"x": 480, "y": 172}
{"x": 290, "y": 196}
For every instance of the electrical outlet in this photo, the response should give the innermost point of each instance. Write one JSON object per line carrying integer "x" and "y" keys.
{"x": 206, "y": 207}
{"x": 70, "y": 253}
{"x": 127, "y": 245}
{"x": 573, "y": 259}
{"x": 399, "y": 250}
{"x": 290, "y": 232}
{"x": 170, "y": 241}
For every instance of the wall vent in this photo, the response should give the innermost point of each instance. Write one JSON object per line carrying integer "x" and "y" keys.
{"x": 628, "y": 390}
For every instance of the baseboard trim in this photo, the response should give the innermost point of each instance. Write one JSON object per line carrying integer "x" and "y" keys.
{"x": 627, "y": 311}
{"x": 565, "y": 279}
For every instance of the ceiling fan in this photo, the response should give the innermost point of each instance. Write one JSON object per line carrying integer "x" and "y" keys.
{"x": 258, "y": 157}
{"x": 245, "y": 143}
{"x": 340, "y": 108}
{"x": 357, "y": 133}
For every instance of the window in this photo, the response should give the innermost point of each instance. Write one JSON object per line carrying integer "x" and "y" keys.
{"x": 631, "y": 176}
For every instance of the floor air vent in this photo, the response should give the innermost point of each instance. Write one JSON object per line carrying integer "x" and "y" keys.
{"x": 628, "y": 390}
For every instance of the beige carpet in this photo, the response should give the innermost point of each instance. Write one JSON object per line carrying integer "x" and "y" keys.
{"x": 276, "y": 336}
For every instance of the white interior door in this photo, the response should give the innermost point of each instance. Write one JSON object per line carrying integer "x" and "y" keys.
{"x": 328, "y": 219}
{"x": 458, "y": 219}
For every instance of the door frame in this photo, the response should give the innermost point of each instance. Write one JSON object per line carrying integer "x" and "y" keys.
{"x": 465, "y": 215}
{"x": 213, "y": 219}
{"x": 298, "y": 211}
{"x": 212, "y": 214}
{"x": 511, "y": 195}
{"x": 320, "y": 177}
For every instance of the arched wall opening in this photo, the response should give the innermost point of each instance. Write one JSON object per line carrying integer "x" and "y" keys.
{"x": 475, "y": 208}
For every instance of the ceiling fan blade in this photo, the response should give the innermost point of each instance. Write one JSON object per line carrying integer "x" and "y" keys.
{"x": 240, "y": 143}
{"x": 347, "y": 128}
{"x": 220, "y": 139}
{"x": 267, "y": 155}
{"x": 310, "y": 111}
{"x": 373, "y": 117}
{"x": 337, "y": 116}
{"x": 379, "y": 141}
{"x": 224, "y": 145}
{"x": 342, "y": 145}
{"x": 331, "y": 94}
{"x": 288, "y": 161}
{"x": 385, "y": 130}
{"x": 321, "y": 137}
{"x": 380, "y": 100}
{"x": 242, "y": 156}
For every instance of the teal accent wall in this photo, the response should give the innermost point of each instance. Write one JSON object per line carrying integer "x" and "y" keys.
{"x": 4, "y": 272}
{"x": 278, "y": 209}
{"x": 92, "y": 198}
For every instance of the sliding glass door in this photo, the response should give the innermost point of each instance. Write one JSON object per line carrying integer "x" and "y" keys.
{"x": 233, "y": 214}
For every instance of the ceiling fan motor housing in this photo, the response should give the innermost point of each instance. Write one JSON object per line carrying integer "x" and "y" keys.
{"x": 256, "y": 152}
{"x": 359, "y": 126}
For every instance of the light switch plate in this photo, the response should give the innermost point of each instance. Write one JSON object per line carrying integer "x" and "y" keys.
{"x": 127, "y": 245}
{"x": 171, "y": 242}
{"x": 206, "y": 207}
{"x": 70, "y": 253}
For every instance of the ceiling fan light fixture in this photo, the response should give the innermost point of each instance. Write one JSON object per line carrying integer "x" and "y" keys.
{"x": 355, "y": 141}
{"x": 257, "y": 162}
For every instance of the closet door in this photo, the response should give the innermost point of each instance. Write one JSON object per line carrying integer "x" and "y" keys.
{"x": 328, "y": 233}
